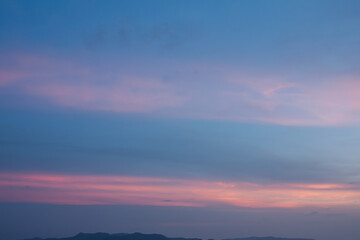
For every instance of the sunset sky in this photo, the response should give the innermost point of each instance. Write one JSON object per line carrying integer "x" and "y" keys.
{"x": 209, "y": 119}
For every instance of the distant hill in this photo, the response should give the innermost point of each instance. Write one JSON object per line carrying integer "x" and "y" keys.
{"x": 141, "y": 236}
{"x": 268, "y": 238}
{"x": 116, "y": 236}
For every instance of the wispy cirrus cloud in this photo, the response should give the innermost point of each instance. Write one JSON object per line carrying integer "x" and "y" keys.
{"x": 126, "y": 96}
{"x": 104, "y": 190}
{"x": 7, "y": 77}
{"x": 187, "y": 91}
{"x": 326, "y": 101}
{"x": 70, "y": 84}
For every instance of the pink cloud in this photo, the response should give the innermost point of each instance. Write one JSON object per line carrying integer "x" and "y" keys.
{"x": 29, "y": 69}
{"x": 279, "y": 86}
{"x": 89, "y": 189}
{"x": 125, "y": 96}
{"x": 7, "y": 77}
{"x": 75, "y": 85}
{"x": 328, "y": 101}
{"x": 214, "y": 92}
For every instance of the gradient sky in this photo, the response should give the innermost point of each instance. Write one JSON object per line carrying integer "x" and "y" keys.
{"x": 210, "y": 119}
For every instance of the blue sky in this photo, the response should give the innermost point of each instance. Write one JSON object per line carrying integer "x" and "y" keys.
{"x": 210, "y": 106}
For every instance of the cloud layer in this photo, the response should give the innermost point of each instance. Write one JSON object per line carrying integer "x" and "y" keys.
{"x": 111, "y": 190}
{"x": 198, "y": 90}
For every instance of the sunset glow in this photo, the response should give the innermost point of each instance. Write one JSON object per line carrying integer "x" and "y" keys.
{"x": 211, "y": 118}
{"x": 84, "y": 189}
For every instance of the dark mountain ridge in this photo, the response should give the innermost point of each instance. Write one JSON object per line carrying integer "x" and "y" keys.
{"x": 268, "y": 238}
{"x": 141, "y": 236}
{"x": 115, "y": 236}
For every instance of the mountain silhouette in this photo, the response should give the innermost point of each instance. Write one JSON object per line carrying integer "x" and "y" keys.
{"x": 268, "y": 238}
{"x": 141, "y": 236}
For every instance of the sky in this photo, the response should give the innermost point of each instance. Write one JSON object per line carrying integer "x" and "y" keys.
{"x": 210, "y": 119}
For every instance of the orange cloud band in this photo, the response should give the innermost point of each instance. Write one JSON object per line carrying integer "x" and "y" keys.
{"x": 86, "y": 190}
